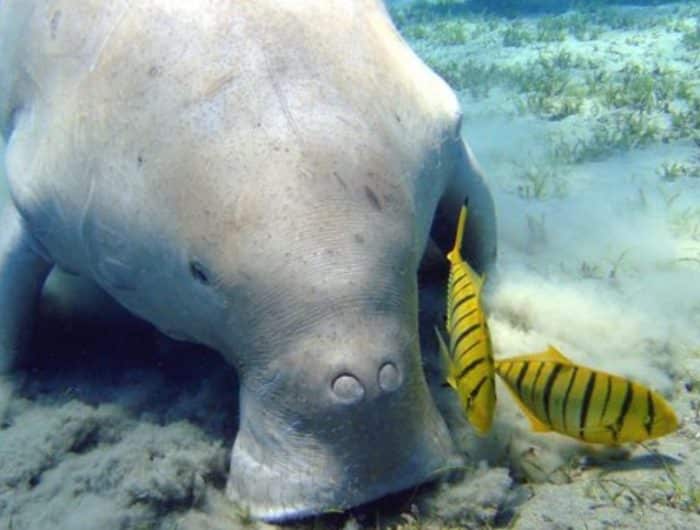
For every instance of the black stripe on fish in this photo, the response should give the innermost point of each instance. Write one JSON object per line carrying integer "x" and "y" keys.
{"x": 505, "y": 371}
{"x": 455, "y": 289}
{"x": 470, "y": 367}
{"x": 629, "y": 393}
{"x": 548, "y": 390}
{"x": 607, "y": 398}
{"x": 455, "y": 293}
{"x": 460, "y": 319}
{"x": 566, "y": 397}
{"x": 464, "y": 334}
{"x": 649, "y": 421}
{"x": 466, "y": 351}
{"x": 462, "y": 301}
{"x": 586, "y": 402}
{"x": 521, "y": 376}
{"x": 475, "y": 391}
{"x": 457, "y": 280}
{"x": 534, "y": 383}
{"x": 460, "y": 285}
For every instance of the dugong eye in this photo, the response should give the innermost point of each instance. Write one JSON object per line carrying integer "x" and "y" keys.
{"x": 199, "y": 273}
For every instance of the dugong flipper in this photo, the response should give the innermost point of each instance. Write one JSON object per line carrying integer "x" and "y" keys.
{"x": 22, "y": 274}
{"x": 258, "y": 177}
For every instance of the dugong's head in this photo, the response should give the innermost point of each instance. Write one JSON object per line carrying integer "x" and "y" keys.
{"x": 309, "y": 284}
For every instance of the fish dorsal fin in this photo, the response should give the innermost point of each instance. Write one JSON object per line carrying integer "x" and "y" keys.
{"x": 556, "y": 355}
{"x": 446, "y": 359}
{"x": 549, "y": 355}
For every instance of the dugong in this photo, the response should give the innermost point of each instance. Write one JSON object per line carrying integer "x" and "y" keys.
{"x": 260, "y": 177}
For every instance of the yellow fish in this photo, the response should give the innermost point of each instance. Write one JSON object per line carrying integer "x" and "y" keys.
{"x": 558, "y": 395}
{"x": 469, "y": 358}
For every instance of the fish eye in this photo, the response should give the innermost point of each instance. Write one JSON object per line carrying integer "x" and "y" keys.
{"x": 198, "y": 272}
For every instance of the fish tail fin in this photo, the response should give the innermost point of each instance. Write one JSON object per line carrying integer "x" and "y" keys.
{"x": 455, "y": 255}
{"x": 446, "y": 359}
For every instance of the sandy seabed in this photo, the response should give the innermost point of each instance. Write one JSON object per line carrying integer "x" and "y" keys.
{"x": 114, "y": 426}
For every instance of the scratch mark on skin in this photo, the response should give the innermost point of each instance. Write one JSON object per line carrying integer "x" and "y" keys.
{"x": 84, "y": 217}
{"x": 98, "y": 55}
{"x": 106, "y": 248}
{"x": 282, "y": 100}
{"x": 373, "y": 199}
{"x": 214, "y": 88}
{"x": 217, "y": 86}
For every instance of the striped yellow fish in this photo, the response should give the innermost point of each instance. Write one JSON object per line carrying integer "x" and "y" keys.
{"x": 558, "y": 395}
{"x": 469, "y": 359}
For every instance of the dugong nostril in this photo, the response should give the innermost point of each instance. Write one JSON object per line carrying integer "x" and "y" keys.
{"x": 389, "y": 378}
{"x": 348, "y": 389}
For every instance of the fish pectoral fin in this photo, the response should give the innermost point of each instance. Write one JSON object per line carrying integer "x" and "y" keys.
{"x": 446, "y": 360}
{"x": 536, "y": 424}
{"x": 611, "y": 428}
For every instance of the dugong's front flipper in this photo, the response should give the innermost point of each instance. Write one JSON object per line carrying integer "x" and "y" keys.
{"x": 22, "y": 274}
{"x": 479, "y": 245}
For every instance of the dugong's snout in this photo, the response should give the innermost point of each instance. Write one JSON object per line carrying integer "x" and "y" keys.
{"x": 329, "y": 430}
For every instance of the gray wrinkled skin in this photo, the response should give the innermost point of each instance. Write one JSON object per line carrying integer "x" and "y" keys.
{"x": 260, "y": 177}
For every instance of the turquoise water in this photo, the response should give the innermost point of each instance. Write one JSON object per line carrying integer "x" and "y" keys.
{"x": 585, "y": 117}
